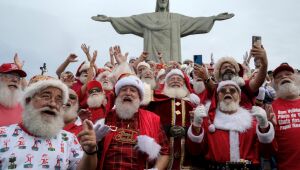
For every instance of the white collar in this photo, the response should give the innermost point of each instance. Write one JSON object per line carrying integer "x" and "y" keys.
{"x": 239, "y": 121}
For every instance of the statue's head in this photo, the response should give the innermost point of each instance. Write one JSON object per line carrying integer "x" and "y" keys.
{"x": 162, "y": 5}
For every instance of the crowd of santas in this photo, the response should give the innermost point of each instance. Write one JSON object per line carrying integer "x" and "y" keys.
{"x": 141, "y": 114}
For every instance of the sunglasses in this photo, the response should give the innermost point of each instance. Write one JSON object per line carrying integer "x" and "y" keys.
{"x": 94, "y": 90}
{"x": 72, "y": 97}
{"x": 231, "y": 90}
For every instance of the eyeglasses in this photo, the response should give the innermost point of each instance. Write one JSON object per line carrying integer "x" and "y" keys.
{"x": 94, "y": 90}
{"x": 231, "y": 90}
{"x": 11, "y": 76}
{"x": 48, "y": 98}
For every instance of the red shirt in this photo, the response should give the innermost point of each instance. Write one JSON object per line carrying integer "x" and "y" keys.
{"x": 9, "y": 116}
{"x": 287, "y": 133}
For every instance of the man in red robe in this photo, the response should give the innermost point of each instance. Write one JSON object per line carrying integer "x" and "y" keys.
{"x": 131, "y": 137}
{"x": 173, "y": 106}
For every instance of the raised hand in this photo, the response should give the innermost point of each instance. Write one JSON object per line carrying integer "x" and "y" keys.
{"x": 101, "y": 18}
{"x": 120, "y": 58}
{"x": 259, "y": 53}
{"x": 72, "y": 58}
{"x": 159, "y": 56}
{"x": 223, "y": 16}
{"x": 261, "y": 116}
{"x": 94, "y": 58}
{"x": 18, "y": 62}
{"x": 200, "y": 71}
{"x": 88, "y": 137}
{"x": 85, "y": 49}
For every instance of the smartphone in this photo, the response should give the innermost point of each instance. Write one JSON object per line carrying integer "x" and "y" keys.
{"x": 198, "y": 59}
{"x": 256, "y": 40}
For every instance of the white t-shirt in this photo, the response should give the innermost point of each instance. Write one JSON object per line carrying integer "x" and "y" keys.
{"x": 20, "y": 150}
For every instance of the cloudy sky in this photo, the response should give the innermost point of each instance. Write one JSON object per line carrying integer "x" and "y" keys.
{"x": 48, "y": 30}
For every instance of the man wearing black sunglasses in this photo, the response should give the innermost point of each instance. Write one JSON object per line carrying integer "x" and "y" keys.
{"x": 230, "y": 137}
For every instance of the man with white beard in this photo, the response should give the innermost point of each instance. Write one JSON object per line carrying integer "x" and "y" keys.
{"x": 132, "y": 137}
{"x": 73, "y": 123}
{"x": 230, "y": 137}
{"x": 103, "y": 78}
{"x": 10, "y": 93}
{"x": 173, "y": 106}
{"x": 287, "y": 108}
{"x": 97, "y": 102}
{"x": 147, "y": 76}
{"x": 38, "y": 141}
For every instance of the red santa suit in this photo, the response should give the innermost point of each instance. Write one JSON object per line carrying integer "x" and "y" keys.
{"x": 173, "y": 112}
{"x": 287, "y": 133}
{"x": 119, "y": 150}
{"x": 236, "y": 138}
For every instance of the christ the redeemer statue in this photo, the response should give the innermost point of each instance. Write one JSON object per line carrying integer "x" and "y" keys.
{"x": 161, "y": 29}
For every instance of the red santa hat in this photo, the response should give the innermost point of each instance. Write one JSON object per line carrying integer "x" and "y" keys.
{"x": 183, "y": 75}
{"x": 130, "y": 80}
{"x": 220, "y": 62}
{"x": 12, "y": 68}
{"x": 211, "y": 127}
{"x": 283, "y": 67}
{"x": 38, "y": 86}
{"x": 93, "y": 84}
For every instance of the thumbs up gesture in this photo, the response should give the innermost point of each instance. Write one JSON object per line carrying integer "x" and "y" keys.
{"x": 87, "y": 137}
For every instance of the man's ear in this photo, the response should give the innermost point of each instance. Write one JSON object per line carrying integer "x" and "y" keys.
{"x": 27, "y": 100}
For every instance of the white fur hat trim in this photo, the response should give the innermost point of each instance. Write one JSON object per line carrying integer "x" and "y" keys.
{"x": 36, "y": 87}
{"x": 174, "y": 72}
{"x": 130, "y": 81}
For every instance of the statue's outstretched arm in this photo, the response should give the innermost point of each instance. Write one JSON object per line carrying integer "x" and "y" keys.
{"x": 223, "y": 16}
{"x": 101, "y": 18}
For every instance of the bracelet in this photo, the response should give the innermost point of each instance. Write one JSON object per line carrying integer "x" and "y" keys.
{"x": 207, "y": 80}
{"x": 91, "y": 153}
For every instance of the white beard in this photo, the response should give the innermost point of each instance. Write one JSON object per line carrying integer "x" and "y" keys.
{"x": 9, "y": 98}
{"x": 71, "y": 113}
{"x": 228, "y": 107}
{"x": 83, "y": 78}
{"x": 198, "y": 86}
{"x": 96, "y": 101}
{"x": 36, "y": 124}
{"x": 126, "y": 110}
{"x": 287, "y": 89}
{"x": 177, "y": 92}
{"x": 150, "y": 81}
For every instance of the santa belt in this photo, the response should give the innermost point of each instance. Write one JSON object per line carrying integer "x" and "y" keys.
{"x": 175, "y": 131}
{"x": 247, "y": 165}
